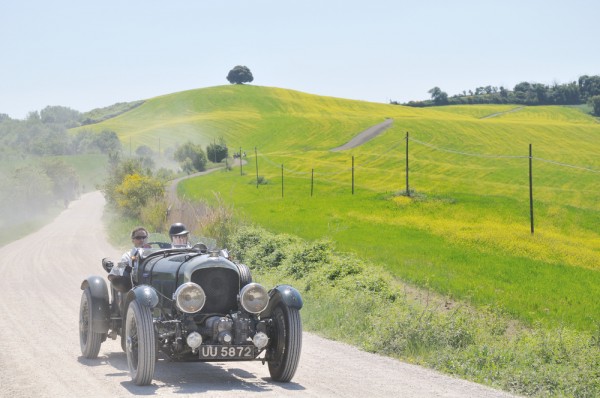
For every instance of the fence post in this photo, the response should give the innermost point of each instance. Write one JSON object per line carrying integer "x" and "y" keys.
{"x": 531, "y": 189}
{"x": 407, "y": 187}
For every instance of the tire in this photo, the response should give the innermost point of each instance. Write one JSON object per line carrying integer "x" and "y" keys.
{"x": 89, "y": 341}
{"x": 140, "y": 343}
{"x": 286, "y": 343}
{"x": 245, "y": 275}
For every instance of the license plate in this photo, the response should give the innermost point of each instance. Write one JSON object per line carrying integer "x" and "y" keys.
{"x": 238, "y": 352}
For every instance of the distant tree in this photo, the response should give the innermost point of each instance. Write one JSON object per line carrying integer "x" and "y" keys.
{"x": 108, "y": 142}
{"x": 192, "y": 152}
{"x": 88, "y": 141}
{"x": 589, "y": 86}
{"x": 438, "y": 96}
{"x": 65, "y": 181}
{"x": 595, "y": 103}
{"x": 144, "y": 151}
{"x": 217, "y": 152}
{"x": 240, "y": 75}
{"x": 60, "y": 115}
{"x": 146, "y": 155}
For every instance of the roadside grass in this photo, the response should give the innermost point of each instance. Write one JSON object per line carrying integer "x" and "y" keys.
{"x": 355, "y": 301}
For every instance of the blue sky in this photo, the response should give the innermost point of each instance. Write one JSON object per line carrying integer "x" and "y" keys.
{"x": 89, "y": 54}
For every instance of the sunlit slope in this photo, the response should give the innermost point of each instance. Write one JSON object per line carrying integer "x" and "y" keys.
{"x": 465, "y": 232}
{"x": 479, "y": 150}
{"x": 249, "y": 116}
{"x": 475, "y": 149}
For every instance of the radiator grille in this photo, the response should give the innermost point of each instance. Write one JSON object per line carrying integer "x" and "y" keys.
{"x": 221, "y": 286}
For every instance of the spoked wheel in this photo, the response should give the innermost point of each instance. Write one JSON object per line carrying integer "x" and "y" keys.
{"x": 286, "y": 343}
{"x": 89, "y": 341}
{"x": 140, "y": 343}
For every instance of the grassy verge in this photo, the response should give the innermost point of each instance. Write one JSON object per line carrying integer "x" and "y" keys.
{"x": 351, "y": 300}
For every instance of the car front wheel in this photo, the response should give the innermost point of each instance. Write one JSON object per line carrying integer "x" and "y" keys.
{"x": 140, "y": 343}
{"x": 286, "y": 343}
{"x": 89, "y": 341}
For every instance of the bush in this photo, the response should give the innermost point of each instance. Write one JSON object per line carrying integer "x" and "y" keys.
{"x": 136, "y": 191}
{"x": 194, "y": 153}
{"x": 154, "y": 214}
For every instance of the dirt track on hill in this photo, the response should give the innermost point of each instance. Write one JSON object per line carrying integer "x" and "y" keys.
{"x": 365, "y": 136}
{"x": 39, "y": 340}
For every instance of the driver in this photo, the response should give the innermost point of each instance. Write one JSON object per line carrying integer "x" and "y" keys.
{"x": 179, "y": 236}
{"x": 139, "y": 238}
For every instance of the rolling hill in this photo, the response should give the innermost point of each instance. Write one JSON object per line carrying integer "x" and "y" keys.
{"x": 465, "y": 230}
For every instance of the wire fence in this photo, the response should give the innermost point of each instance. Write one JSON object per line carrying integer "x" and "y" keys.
{"x": 330, "y": 171}
{"x": 390, "y": 153}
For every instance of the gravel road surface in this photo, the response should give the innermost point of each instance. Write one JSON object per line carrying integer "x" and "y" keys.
{"x": 39, "y": 339}
{"x": 365, "y": 136}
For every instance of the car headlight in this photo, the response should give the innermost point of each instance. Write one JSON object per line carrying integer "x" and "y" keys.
{"x": 254, "y": 298}
{"x": 190, "y": 297}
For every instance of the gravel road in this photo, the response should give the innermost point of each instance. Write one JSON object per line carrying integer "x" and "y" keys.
{"x": 39, "y": 341}
{"x": 365, "y": 136}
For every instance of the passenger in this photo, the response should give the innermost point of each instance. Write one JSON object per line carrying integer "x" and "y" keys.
{"x": 179, "y": 236}
{"x": 139, "y": 238}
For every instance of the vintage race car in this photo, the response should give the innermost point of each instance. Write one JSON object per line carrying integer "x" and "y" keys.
{"x": 191, "y": 304}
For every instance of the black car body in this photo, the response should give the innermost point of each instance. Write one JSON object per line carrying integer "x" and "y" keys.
{"x": 191, "y": 304}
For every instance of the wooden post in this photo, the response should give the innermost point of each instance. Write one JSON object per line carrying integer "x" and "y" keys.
{"x": 407, "y": 187}
{"x": 531, "y": 189}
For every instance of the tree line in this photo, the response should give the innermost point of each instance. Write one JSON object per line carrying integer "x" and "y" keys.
{"x": 46, "y": 133}
{"x": 585, "y": 90}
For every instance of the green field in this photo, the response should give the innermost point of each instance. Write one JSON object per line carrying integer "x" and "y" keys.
{"x": 465, "y": 232}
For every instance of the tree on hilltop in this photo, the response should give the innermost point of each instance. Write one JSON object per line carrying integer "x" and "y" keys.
{"x": 240, "y": 75}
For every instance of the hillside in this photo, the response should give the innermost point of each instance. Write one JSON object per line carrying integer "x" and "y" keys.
{"x": 466, "y": 230}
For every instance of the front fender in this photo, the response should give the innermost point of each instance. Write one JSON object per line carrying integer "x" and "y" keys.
{"x": 143, "y": 294}
{"x": 286, "y": 294}
{"x": 99, "y": 306}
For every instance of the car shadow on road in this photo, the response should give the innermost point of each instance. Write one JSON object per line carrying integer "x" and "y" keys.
{"x": 192, "y": 377}
{"x": 198, "y": 377}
